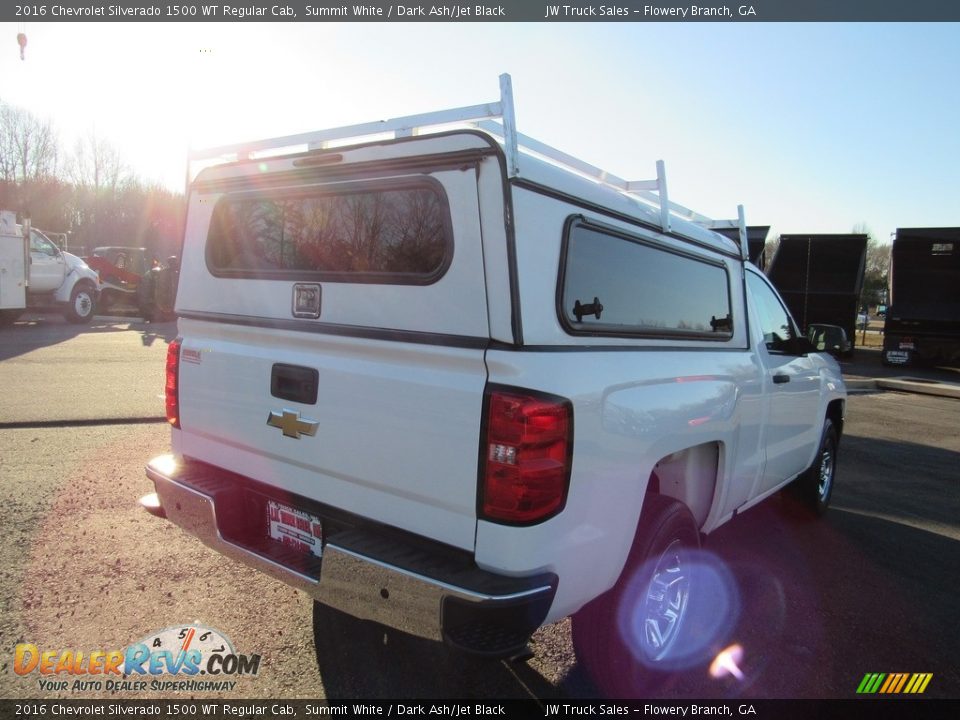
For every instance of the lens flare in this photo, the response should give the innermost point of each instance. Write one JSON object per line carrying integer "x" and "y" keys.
{"x": 728, "y": 662}
{"x": 164, "y": 464}
{"x": 678, "y": 609}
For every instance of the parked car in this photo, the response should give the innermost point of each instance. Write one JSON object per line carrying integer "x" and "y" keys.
{"x": 120, "y": 269}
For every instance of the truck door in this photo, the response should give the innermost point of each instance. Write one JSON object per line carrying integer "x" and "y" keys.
{"x": 792, "y": 387}
{"x": 47, "y": 267}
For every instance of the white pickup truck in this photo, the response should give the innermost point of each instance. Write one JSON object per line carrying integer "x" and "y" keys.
{"x": 465, "y": 389}
{"x": 36, "y": 274}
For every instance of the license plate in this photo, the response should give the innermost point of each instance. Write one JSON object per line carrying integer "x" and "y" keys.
{"x": 897, "y": 357}
{"x": 294, "y": 528}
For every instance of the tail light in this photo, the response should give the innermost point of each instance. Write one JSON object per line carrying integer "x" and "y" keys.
{"x": 525, "y": 456}
{"x": 171, "y": 386}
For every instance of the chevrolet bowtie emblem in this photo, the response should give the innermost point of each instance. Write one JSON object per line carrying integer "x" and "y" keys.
{"x": 291, "y": 423}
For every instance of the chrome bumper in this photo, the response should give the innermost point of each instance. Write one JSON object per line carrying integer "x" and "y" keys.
{"x": 380, "y": 576}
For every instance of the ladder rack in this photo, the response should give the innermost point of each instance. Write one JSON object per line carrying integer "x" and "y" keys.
{"x": 649, "y": 192}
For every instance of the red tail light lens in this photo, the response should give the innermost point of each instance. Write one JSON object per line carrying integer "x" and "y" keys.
{"x": 171, "y": 386}
{"x": 526, "y": 451}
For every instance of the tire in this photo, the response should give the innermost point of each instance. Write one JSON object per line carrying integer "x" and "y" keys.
{"x": 82, "y": 305}
{"x": 810, "y": 494}
{"x": 631, "y": 638}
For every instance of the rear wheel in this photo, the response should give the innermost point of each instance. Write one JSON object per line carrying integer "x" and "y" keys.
{"x": 631, "y": 637}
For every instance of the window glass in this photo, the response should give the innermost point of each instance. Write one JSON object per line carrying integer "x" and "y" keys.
{"x": 376, "y": 232}
{"x": 40, "y": 244}
{"x": 773, "y": 318}
{"x": 641, "y": 289}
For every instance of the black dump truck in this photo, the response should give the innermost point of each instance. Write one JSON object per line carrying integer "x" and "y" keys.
{"x": 923, "y": 313}
{"x": 820, "y": 278}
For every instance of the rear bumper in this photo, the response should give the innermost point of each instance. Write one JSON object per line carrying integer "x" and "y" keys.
{"x": 371, "y": 572}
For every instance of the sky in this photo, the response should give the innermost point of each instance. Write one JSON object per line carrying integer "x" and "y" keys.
{"x": 814, "y": 128}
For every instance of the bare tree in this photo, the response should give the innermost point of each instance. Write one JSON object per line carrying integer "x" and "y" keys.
{"x": 97, "y": 165}
{"x": 877, "y": 266}
{"x": 8, "y": 163}
{"x": 29, "y": 149}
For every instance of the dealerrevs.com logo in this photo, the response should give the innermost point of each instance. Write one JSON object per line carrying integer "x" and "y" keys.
{"x": 198, "y": 658}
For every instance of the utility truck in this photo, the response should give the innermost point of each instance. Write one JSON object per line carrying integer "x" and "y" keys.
{"x": 36, "y": 274}
{"x": 458, "y": 382}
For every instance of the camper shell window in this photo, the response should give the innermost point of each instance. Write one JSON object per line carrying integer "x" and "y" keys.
{"x": 398, "y": 233}
{"x": 616, "y": 284}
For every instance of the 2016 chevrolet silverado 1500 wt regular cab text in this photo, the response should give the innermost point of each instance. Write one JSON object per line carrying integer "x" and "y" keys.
{"x": 465, "y": 386}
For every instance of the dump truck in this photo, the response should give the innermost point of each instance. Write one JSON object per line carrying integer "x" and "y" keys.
{"x": 820, "y": 277}
{"x": 923, "y": 316}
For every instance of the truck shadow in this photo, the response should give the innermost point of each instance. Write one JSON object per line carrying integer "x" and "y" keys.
{"x": 38, "y": 331}
{"x": 813, "y": 605}
{"x": 870, "y": 585}
{"x": 154, "y": 331}
{"x": 362, "y": 659}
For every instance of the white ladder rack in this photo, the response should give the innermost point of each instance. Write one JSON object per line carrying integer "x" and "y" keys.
{"x": 650, "y": 192}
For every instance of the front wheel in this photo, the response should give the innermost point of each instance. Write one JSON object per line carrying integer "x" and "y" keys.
{"x": 631, "y": 637}
{"x": 82, "y": 304}
{"x": 814, "y": 488}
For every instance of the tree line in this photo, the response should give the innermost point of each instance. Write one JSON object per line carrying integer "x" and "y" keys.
{"x": 85, "y": 191}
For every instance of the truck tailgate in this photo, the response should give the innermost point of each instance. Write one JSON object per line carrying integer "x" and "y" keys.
{"x": 395, "y": 425}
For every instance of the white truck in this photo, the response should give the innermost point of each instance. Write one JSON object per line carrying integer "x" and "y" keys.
{"x": 35, "y": 273}
{"x": 463, "y": 384}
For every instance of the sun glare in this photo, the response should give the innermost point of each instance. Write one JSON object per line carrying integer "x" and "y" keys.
{"x": 155, "y": 90}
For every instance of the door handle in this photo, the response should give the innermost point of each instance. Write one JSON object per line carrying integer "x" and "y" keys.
{"x": 292, "y": 382}
{"x": 781, "y": 378}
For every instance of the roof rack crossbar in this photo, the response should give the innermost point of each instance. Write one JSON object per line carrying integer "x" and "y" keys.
{"x": 654, "y": 192}
{"x": 485, "y": 116}
{"x": 740, "y": 224}
{"x": 399, "y": 127}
